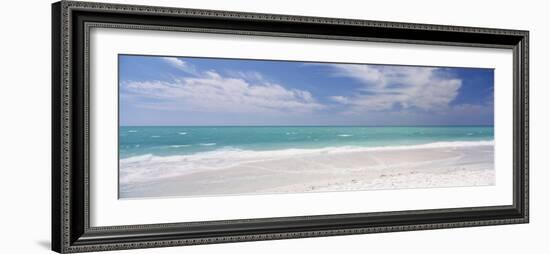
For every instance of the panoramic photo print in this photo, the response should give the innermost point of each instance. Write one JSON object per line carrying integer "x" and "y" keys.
{"x": 194, "y": 126}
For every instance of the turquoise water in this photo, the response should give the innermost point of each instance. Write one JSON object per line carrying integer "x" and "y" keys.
{"x": 185, "y": 140}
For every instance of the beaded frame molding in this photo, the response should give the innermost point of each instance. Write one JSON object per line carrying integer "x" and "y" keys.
{"x": 71, "y": 23}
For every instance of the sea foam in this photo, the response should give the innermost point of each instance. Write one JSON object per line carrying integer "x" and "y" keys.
{"x": 149, "y": 167}
{"x": 178, "y": 146}
{"x": 345, "y": 135}
{"x": 228, "y": 152}
{"x": 207, "y": 144}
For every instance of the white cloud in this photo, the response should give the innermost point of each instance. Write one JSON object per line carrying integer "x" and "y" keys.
{"x": 181, "y": 65}
{"x": 387, "y": 87}
{"x": 212, "y": 92}
{"x": 253, "y": 76}
{"x": 340, "y": 99}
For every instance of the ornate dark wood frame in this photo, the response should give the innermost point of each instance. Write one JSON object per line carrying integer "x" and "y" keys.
{"x": 71, "y": 22}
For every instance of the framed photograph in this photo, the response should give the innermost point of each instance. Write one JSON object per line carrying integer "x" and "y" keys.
{"x": 181, "y": 126}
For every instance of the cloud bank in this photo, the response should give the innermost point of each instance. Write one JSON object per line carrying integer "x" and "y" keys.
{"x": 244, "y": 93}
{"x": 397, "y": 87}
{"x": 211, "y": 91}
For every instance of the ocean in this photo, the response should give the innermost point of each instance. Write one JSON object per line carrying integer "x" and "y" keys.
{"x": 164, "y": 141}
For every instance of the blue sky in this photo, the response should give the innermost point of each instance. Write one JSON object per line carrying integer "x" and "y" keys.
{"x": 156, "y": 90}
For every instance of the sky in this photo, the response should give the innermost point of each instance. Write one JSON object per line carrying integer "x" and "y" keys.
{"x": 157, "y": 90}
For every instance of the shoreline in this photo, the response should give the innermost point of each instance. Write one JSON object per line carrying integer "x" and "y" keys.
{"x": 237, "y": 172}
{"x": 328, "y": 149}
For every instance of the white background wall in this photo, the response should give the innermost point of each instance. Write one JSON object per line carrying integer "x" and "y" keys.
{"x": 25, "y": 126}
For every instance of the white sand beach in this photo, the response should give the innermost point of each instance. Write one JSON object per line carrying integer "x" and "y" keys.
{"x": 237, "y": 172}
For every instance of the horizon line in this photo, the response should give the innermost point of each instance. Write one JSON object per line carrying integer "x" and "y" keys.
{"x": 311, "y": 125}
